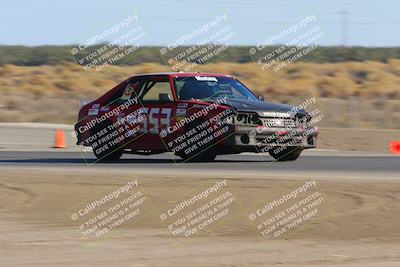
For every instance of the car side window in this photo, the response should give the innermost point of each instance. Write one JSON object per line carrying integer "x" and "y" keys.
{"x": 153, "y": 89}
{"x": 128, "y": 91}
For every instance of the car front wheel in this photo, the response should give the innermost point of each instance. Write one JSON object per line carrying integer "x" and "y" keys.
{"x": 286, "y": 154}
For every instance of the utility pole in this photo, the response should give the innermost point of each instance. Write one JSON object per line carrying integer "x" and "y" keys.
{"x": 353, "y": 100}
{"x": 345, "y": 27}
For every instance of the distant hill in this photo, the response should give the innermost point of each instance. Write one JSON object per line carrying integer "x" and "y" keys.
{"x": 55, "y": 55}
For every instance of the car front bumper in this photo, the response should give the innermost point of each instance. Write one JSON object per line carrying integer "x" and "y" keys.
{"x": 261, "y": 139}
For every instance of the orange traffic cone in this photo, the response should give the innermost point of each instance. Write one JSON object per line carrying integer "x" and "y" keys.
{"x": 394, "y": 147}
{"x": 59, "y": 139}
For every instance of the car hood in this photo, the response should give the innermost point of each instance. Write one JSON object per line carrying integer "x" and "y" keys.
{"x": 260, "y": 107}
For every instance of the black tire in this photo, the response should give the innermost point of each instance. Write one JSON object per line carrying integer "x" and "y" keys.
{"x": 108, "y": 155}
{"x": 287, "y": 154}
{"x": 113, "y": 152}
{"x": 204, "y": 153}
{"x": 201, "y": 157}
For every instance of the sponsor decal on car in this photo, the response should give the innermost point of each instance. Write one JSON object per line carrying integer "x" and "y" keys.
{"x": 180, "y": 114}
{"x": 200, "y": 106}
{"x": 181, "y": 111}
{"x": 206, "y": 79}
{"x": 276, "y": 114}
{"x": 182, "y": 105}
{"x": 93, "y": 111}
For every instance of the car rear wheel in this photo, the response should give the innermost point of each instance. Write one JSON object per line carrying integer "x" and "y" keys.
{"x": 286, "y": 154}
{"x": 201, "y": 157}
{"x": 111, "y": 152}
{"x": 108, "y": 155}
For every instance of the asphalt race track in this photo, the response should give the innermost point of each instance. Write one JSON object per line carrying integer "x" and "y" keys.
{"x": 361, "y": 166}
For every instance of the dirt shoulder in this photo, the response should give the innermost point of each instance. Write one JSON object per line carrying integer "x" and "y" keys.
{"x": 352, "y": 139}
{"x": 356, "y": 223}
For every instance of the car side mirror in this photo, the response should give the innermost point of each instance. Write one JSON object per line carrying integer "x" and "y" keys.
{"x": 164, "y": 98}
{"x": 261, "y": 98}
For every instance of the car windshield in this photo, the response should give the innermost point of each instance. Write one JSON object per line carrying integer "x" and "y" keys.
{"x": 210, "y": 87}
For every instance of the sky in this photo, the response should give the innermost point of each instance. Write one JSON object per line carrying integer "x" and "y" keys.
{"x": 42, "y": 22}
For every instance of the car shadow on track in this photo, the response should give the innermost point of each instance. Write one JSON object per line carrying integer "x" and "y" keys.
{"x": 93, "y": 161}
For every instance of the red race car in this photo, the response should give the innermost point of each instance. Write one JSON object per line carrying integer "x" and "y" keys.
{"x": 197, "y": 116}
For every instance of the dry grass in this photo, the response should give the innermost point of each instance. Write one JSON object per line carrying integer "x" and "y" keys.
{"x": 52, "y": 93}
{"x": 339, "y": 80}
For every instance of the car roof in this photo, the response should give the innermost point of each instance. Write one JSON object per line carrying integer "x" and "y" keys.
{"x": 182, "y": 74}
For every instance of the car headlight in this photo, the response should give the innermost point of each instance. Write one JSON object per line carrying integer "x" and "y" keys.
{"x": 248, "y": 118}
{"x": 229, "y": 119}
